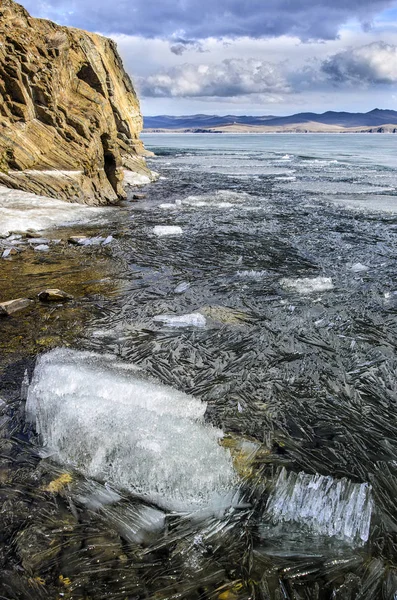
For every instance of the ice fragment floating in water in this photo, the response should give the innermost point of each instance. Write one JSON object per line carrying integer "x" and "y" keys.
{"x": 162, "y": 230}
{"x": 191, "y": 320}
{"x": 307, "y": 285}
{"x": 322, "y": 505}
{"x": 252, "y": 274}
{"x": 115, "y": 426}
{"x": 182, "y": 287}
{"x": 359, "y": 268}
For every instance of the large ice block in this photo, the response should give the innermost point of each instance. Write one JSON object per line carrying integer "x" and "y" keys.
{"x": 113, "y": 425}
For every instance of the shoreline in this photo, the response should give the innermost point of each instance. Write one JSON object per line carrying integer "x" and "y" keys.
{"x": 175, "y": 132}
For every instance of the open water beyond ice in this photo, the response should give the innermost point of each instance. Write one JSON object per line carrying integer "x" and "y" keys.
{"x": 229, "y": 412}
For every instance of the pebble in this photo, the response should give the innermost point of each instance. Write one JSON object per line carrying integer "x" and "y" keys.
{"x": 138, "y": 196}
{"x": 54, "y": 295}
{"x": 11, "y": 306}
{"x": 42, "y": 248}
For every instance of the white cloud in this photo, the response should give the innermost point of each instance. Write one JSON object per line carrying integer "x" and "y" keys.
{"x": 374, "y": 63}
{"x": 298, "y": 66}
{"x": 229, "y": 78}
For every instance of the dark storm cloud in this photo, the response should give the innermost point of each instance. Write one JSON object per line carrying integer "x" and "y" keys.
{"x": 198, "y": 19}
{"x": 374, "y": 63}
{"x": 181, "y": 45}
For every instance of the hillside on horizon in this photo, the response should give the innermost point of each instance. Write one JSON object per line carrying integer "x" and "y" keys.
{"x": 332, "y": 121}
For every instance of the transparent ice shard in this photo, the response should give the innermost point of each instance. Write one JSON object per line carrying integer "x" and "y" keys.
{"x": 115, "y": 426}
{"x": 322, "y": 505}
{"x": 136, "y": 523}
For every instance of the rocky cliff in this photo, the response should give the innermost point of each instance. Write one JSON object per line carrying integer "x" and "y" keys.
{"x": 69, "y": 115}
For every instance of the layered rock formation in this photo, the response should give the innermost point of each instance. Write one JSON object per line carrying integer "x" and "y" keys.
{"x": 69, "y": 115}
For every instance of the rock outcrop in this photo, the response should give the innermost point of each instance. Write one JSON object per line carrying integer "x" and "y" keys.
{"x": 69, "y": 115}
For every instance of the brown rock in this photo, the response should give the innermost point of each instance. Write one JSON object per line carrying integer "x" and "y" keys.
{"x": 139, "y": 196}
{"x": 12, "y": 306}
{"x": 54, "y": 295}
{"x": 69, "y": 115}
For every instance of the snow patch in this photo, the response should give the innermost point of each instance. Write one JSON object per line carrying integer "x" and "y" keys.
{"x": 21, "y": 211}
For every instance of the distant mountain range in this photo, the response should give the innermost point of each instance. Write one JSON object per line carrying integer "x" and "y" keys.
{"x": 376, "y": 120}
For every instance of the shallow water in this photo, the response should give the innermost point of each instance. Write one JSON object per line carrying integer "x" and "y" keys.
{"x": 292, "y": 347}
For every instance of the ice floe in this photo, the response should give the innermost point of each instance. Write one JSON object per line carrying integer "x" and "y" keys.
{"x": 22, "y": 211}
{"x": 168, "y": 205}
{"x": 307, "y": 285}
{"x": 322, "y": 505}
{"x": 190, "y": 320}
{"x": 182, "y": 287}
{"x": 217, "y": 199}
{"x": 251, "y": 274}
{"x": 163, "y": 230}
{"x": 359, "y": 268}
{"x": 132, "y": 178}
{"x": 115, "y": 426}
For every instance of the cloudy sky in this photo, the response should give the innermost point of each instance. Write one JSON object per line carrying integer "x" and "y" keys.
{"x": 247, "y": 56}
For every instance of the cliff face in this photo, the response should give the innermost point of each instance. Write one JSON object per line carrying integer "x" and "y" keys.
{"x": 69, "y": 115}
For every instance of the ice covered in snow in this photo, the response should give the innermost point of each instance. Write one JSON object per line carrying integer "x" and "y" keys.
{"x": 20, "y": 211}
{"x": 217, "y": 199}
{"x": 307, "y": 285}
{"x": 131, "y": 178}
{"x": 115, "y": 426}
{"x": 168, "y": 205}
{"x": 190, "y": 320}
{"x": 162, "y": 230}
{"x": 322, "y": 505}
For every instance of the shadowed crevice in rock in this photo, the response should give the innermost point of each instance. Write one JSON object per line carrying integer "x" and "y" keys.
{"x": 110, "y": 164}
{"x": 87, "y": 74}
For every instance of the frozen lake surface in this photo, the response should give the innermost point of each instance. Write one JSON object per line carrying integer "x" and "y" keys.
{"x": 254, "y": 451}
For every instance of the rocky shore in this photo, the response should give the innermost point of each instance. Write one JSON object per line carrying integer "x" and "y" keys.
{"x": 69, "y": 115}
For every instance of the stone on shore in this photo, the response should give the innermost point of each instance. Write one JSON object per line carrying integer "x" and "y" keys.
{"x": 11, "y": 306}
{"x": 54, "y": 295}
